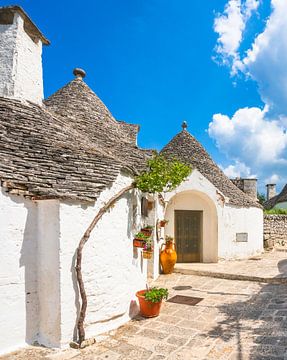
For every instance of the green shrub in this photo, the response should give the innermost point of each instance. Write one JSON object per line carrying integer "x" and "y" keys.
{"x": 141, "y": 236}
{"x": 156, "y": 294}
{"x": 162, "y": 174}
{"x": 276, "y": 212}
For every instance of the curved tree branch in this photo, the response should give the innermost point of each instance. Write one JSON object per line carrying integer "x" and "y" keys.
{"x": 84, "y": 239}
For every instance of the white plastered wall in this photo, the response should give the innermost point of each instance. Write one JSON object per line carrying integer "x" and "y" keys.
{"x": 39, "y": 293}
{"x": 194, "y": 199}
{"x": 241, "y": 220}
{"x": 112, "y": 269}
{"x": 18, "y": 272}
{"x": 221, "y": 221}
{"x": 282, "y": 205}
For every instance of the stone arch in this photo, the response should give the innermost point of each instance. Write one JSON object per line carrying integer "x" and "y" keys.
{"x": 199, "y": 201}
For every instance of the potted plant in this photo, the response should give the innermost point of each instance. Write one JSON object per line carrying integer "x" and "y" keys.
{"x": 140, "y": 239}
{"x": 163, "y": 222}
{"x": 147, "y": 250}
{"x": 147, "y": 230}
{"x": 150, "y": 301}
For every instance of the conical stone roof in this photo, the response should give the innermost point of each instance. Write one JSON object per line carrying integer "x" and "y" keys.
{"x": 79, "y": 106}
{"x": 70, "y": 148}
{"x": 187, "y": 149}
{"x": 280, "y": 198}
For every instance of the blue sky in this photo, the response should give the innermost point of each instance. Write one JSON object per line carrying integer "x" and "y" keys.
{"x": 155, "y": 63}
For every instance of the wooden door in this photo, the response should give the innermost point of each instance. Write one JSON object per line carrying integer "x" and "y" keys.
{"x": 188, "y": 233}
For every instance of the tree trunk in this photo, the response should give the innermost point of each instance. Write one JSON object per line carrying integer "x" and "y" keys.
{"x": 84, "y": 239}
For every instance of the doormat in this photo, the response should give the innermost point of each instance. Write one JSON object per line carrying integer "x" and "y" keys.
{"x": 185, "y": 300}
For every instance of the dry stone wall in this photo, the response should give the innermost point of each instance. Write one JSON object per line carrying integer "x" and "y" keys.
{"x": 275, "y": 231}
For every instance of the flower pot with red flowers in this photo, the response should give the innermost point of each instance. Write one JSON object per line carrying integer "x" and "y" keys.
{"x": 150, "y": 301}
{"x": 140, "y": 240}
{"x": 147, "y": 250}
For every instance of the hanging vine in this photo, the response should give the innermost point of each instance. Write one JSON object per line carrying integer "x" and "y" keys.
{"x": 162, "y": 175}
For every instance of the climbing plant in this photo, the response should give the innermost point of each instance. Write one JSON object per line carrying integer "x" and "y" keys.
{"x": 162, "y": 175}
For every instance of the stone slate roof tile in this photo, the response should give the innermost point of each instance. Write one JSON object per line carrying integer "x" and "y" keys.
{"x": 187, "y": 149}
{"x": 70, "y": 148}
{"x": 280, "y": 198}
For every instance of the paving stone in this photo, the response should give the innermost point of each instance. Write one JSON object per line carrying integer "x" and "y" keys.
{"x": 177, "y": 340}
{"x": 236, "y": 320}
{"x": 152, "y": 334}
{"x": 64, "y": 355}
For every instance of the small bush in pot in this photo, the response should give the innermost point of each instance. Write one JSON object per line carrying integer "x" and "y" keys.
{"x": 150, "y": 301}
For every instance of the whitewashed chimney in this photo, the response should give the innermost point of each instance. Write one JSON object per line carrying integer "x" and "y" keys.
{"x": 271, "y": 191}
{"x": 21, "y": 42}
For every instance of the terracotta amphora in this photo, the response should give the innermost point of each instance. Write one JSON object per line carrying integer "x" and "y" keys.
{"x": 168, "y": 257}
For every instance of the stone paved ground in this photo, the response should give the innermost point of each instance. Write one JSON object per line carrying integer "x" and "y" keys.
{"x": 269, "y": 265}
{"x": 235, "y": 320}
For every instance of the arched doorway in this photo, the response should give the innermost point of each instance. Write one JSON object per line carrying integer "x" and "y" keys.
{"x": 192, "y": 217}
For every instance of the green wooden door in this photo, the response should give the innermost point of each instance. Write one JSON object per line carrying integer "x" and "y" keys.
{"x": 188, "y": 230}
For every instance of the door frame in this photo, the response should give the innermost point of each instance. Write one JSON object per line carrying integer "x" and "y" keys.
{"x": 201, "y": 230}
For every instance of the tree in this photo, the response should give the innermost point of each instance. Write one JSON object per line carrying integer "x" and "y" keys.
{"x": 261, "y": 198}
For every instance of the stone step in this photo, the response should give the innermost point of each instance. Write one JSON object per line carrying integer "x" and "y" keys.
{"x": 230, "y": 276}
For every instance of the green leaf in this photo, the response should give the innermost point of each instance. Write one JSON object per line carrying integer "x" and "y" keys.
{"x": 162, "y": 174}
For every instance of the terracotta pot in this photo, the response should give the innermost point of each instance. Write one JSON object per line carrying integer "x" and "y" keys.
{"x": 139, "y": 243}
{"x": 147, "y": 308}
{"x": 147, "y": 254}
{"x": 168, "y": 257}
{"x": 162, "y": 223}
{"x": 146, "y": 232}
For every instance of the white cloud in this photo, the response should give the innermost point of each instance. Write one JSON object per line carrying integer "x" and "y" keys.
{"x": 230, "y": 27}
{"x": 273, "y": 179}
{"x": 257, "y": 145}
{"x": 265, "y": 62}
{"x": 237, "y": 170}
{"x": 252, "y": 136}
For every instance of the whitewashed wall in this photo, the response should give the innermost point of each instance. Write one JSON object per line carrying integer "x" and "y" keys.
{"x": 241, "y": 220}
{"x": 48, "y": 272}
{"x": 39, "y": 296}
{"x": 18, "y": 272}
{"x": 112, "y": 270}
{"x": 221, "y": 221}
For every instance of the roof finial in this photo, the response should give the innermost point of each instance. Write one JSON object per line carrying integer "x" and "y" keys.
{"x": 79, "y": 73}
{"x": 184, "y": 125}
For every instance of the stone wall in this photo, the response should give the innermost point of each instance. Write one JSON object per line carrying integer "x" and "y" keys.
{"x": 275, "y": 230}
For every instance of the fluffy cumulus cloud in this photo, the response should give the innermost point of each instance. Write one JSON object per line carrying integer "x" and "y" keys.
{"x": 238, "y": 169}
{"x": 257, "y": 145}
{"x": 266, "y": 61}
{"x": 255, "y": 138}
{"x": 230, "y": 27}
{"x": 250, "y": 137}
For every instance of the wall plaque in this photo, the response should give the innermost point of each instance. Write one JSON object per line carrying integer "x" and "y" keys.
{"x": 241, "y": 237}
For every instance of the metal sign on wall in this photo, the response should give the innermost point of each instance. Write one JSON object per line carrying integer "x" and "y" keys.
{"x": 241, "y": 237}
